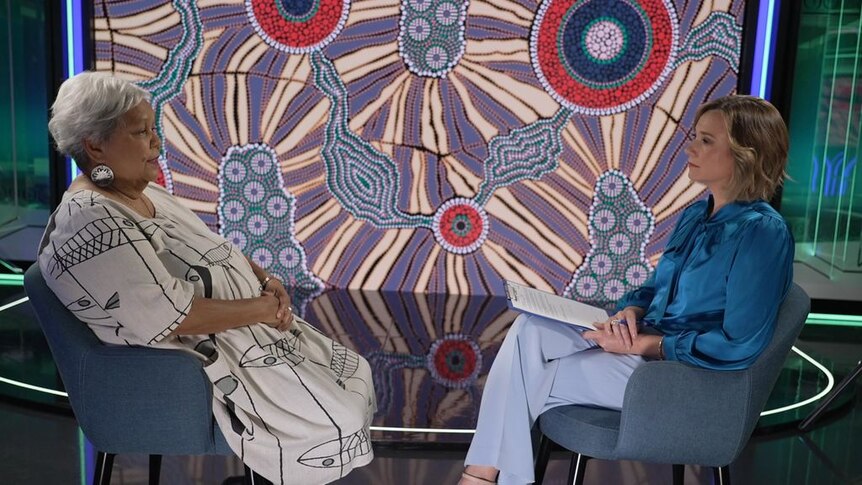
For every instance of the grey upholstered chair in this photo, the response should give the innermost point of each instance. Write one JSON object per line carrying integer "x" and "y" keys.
{"x": 127, "y": 399}
{"x": 676, "y": 413}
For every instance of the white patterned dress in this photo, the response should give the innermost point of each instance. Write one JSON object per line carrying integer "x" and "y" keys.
{"x": 294, "y": 406}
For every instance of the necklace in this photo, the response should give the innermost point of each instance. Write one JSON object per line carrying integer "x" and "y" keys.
{"x": 144, "y": 205}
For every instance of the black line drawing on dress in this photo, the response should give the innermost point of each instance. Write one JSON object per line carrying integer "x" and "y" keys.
{"x": 218, "y": 255}
{"x": 203, "y": 275}
{"x": 227, "y": 385}
{"x": 282, "y": 351}
{"x": 93, "y": 239}
{"x": 161, "y": 259}
{"x": 113, "y": 302}
{"x": 208, "y": 350}
{"x": 337, "y": 452}
{"x": 343, "y": 362}
{"x": 86, "y": 308}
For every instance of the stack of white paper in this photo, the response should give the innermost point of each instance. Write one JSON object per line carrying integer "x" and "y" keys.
{"x": 537, "y": 302}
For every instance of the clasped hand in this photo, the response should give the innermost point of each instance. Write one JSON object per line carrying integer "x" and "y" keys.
{"x": 284, "y": 314}
{"x": 618, "y": 334}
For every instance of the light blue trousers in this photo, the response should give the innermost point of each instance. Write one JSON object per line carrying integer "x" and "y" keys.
{"x": 542, "y": 364}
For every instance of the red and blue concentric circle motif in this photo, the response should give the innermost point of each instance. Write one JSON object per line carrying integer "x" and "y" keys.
{"x": 298, "y": 26}
{"x": 460, "y": 225}
{"x": 602, "y": 57}
{"x": 454, "y": 361}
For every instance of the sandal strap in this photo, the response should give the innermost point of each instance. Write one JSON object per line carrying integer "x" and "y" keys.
{"x": 474, "y": 477}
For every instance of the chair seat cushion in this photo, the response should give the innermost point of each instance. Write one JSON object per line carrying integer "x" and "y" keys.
{"x": 589, "y": 431}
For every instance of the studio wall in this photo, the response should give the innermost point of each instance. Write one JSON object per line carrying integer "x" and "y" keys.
{"x": 430, "y": 146}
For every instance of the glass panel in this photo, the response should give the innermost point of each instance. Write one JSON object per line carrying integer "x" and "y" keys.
{"x": 24, "y": 147}
{"x": 823, "y": 201}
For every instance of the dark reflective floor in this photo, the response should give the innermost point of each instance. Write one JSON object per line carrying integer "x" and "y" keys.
{"x": 430, "y": 354}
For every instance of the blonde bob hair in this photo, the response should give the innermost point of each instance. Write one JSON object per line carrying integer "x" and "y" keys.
{"x": 758, "y": 141}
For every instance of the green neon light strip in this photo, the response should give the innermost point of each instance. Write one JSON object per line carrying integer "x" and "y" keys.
{"x": 82, "y": 456}
{"x": 836, "y": 320}
{"x": 11, "y": 268}
{"x": 834, "y": 317}
{"x": 11, "y": 280}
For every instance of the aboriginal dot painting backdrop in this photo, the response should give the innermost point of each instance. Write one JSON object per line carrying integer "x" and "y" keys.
{"x": 430, "y": 146}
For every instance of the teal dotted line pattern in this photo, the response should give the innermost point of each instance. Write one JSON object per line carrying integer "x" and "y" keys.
{"x": 257, "y": 215}
{"x": 620, "y": 226}
{"x": 719, "y": 35}
{"x": 365, "y": 182}
{"x": 431, "y": 35}
{"x": 169, "y": 82}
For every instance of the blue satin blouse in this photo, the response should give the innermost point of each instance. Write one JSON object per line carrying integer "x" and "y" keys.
{"x": 716, "y": 290}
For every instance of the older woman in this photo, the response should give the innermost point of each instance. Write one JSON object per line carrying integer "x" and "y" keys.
{"x": 712, "y": 301}
{"x": 141, "y": 269}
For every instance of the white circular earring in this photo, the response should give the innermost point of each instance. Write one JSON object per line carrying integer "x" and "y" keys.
{"x": 102, "y": 175}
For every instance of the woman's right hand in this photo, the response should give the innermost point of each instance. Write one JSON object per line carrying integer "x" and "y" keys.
{"x": 626, "y": 320}
{"x": 273, "y": 303}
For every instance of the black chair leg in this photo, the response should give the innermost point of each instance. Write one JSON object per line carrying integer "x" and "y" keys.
{"x": 577, "y": 468}
{"x": 155, "y": 469}
{"x": 721, "y": 475}
{"x": 678, "y": 474}
{"x": 543, "y": 454}
{"x": 104, "y": 465}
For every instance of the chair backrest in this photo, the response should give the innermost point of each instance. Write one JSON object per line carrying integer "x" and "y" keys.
{"x": 68, "y": 338}
{"x": 127, "y": 399}
{"x": 715, "y": 412}
{"x": 765, "y": 371}
{"x": 677, "y": 413}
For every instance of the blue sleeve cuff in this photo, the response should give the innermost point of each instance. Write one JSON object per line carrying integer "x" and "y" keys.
{"x": 668, "y": 345}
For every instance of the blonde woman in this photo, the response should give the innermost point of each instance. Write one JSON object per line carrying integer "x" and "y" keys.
{"x": 712, "y": 301}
